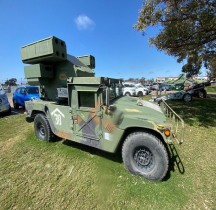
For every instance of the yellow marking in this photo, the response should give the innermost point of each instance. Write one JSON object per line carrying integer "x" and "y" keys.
{"x": 132, "y": 110}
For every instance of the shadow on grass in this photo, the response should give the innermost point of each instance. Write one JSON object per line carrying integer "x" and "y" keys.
{"x": 199, "y": 112}
{"x": 174, "y": 157}
{"x": 13, "y": 112}
{"x": 116, "y": 157}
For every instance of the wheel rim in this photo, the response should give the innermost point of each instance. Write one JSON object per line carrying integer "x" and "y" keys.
{"x": 41, "y": 130}
{"x": 187, "y": 98}
{"x": 144, "y": 158}
{"x": 201, "y": 94}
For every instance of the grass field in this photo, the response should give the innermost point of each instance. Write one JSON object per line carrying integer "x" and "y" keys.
{"x": 65, "y": 175}
{"x": 211, "y": 89}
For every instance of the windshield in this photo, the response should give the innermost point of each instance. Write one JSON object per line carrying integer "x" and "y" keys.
{"x": 32, "y": 90}
{"x": 129, "y": 85}
{"x": 140, "y": 86}
{"x": 115, "y": 91}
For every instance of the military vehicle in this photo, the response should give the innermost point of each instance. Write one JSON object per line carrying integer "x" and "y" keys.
{"x": 75, "y": 105}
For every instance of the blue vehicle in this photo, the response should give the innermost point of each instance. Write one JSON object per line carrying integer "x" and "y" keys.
{"x": 24, "y": 93}
{"x": 5, "y": 107}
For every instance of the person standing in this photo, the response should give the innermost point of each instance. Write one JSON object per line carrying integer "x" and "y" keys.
{"x": 160, "y": 88}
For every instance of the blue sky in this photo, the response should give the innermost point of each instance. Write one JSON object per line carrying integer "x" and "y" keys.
{"x": 103, "y": 28}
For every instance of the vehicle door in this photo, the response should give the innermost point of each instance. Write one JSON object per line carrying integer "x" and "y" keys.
{"x": 18, "y": 96}
{"x": 86, "y": 115}
{"x": 22, "y": 96}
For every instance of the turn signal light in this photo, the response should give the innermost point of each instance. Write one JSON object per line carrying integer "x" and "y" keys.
{"x": 167, "y": 132}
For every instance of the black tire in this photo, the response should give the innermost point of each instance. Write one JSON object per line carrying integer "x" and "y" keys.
{"x": 42, "y": 128}
{"x": 9, "y": 111}
{"x": 140, "y": 94}
{"x": 145, "y": 155}
{"x": 187, "y": 97}
{"x": 16, "y": 106}
{"x": 202, "y": 94}
{"x": 127, "y": 94}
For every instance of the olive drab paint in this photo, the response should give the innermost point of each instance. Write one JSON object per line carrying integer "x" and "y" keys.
{"x": 83, "y": 108}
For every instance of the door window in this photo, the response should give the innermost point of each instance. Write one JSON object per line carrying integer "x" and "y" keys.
{"x": 86, "y": 99}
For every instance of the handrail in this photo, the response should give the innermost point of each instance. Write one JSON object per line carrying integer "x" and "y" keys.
{"x": 176, "y": 120}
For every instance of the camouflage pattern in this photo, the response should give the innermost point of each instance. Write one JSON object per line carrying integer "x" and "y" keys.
{"x": 95, "y": 124}
{"x": 93, "y": 111}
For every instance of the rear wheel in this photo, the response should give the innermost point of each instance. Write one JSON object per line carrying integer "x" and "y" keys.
{"x": 42, "y": 128}
{"x": 202, "y": 93}
{"x": 145, "y": 155}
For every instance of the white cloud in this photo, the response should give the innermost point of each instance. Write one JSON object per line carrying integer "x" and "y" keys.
{"x": 83, "y": 22}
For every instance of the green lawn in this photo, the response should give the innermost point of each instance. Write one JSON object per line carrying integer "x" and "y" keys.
{"x": 65, "y": 175}
{"x": 211, "y": 89}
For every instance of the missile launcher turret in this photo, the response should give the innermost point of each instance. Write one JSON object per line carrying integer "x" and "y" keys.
{"x": 50, "y": 66}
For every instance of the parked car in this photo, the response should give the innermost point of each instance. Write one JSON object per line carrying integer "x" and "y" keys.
{"x": 141, "y": 90}
{"x": 4, "y": 103}
{"x": 148, "y": 87}
{"x": 129, "y": 89}
{"x": 178, "y": 87}
{"x": 165, "y": 86}
{"x": 24, "y": 93}
{"x": 155, "y": 86}
{"x": 133, "y": 89}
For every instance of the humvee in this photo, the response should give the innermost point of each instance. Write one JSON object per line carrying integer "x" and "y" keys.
{"x": 75, "y": 105}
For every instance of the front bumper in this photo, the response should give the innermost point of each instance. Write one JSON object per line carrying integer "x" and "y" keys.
{"x": 4, "y": 108}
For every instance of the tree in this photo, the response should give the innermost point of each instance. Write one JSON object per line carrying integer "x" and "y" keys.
{"x": 11, "y": 82}
{"x": 188, "y": 30}
{"x": 142, "y": 80}
{"x": 211, "y": 65}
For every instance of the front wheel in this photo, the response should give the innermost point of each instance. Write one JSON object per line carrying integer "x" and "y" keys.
{"x": 127, "y": 94}
{"x": 145, "y": 155}
{"x": 140, "y": 94}
{"x": 187, "y": 97}
{"x": 42, "y": 128}
{"x": 16, "y": 106}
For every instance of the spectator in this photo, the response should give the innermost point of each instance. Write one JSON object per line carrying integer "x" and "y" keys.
{"x": 9, "y": 89}
{"x": 156, "y": 88}
{"x": 160, "y": 88}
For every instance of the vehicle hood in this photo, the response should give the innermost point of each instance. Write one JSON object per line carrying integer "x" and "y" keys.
{"x": 145, "y": 111}
{"x": 32, "y": 96}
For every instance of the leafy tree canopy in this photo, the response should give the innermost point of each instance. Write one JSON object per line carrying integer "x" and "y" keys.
{"x": 11, "y": 82}
{"x": 188, "y": 30}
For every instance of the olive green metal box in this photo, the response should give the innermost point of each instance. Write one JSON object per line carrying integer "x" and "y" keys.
{"x": 88, "y": 60}
{"x": 38, "y": 71}
{"x": 47, "y": 50}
